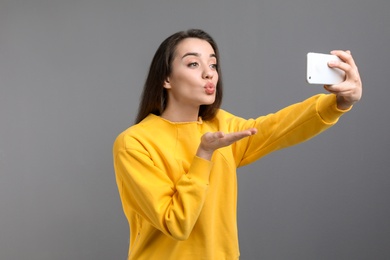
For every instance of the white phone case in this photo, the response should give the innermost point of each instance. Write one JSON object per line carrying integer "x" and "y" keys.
{"x": 318, "y": 71}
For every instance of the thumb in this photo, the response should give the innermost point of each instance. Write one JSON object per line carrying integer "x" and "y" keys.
{"x": 211, "y": 137}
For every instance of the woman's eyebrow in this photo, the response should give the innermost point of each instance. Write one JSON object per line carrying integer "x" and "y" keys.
{"x": 197, "y": 55}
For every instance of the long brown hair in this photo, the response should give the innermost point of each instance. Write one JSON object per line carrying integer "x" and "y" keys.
{"x": 154, "y": 95}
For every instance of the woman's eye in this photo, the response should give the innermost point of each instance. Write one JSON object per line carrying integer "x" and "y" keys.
{"x": 214, "y": 66}
{"x": 193, "y": 64}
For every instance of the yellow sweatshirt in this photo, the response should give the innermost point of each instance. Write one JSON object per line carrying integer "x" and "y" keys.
{"x": 180, "y": 206}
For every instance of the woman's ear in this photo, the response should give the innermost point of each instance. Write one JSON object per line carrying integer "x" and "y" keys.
{"x": 167, "y": 84}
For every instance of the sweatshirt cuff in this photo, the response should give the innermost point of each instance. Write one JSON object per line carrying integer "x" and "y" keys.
{"x": 200, "y": 169}
{"x": 327, "y": 109}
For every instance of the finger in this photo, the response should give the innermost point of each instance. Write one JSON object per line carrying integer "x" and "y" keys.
{"x": 233, "y": 137}
{"x": 212, "y": 137}
{"x": 340, "y": 65}
{"x": 335, "y": 89}
{"x": 345, "y": 56}
{"x": 340, "y": 90}
{"x": 248, "y": 132}
{"x": 219, "y": 134}
{"x": 253, "y": 130}
{"x": 351, "y": 71}
{"x": 330, "y": 89}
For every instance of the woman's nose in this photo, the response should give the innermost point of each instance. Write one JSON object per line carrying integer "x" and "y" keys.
{"x": 208, "y": 73}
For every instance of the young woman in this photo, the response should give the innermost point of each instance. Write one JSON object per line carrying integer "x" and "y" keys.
{"x": 176, "y": 167}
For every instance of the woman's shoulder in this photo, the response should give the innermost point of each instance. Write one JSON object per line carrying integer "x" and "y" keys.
{"x": 222, "y": 114}
{"x": 147, "y": 127}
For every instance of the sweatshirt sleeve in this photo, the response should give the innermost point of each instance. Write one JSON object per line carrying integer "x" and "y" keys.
{"x": 289, "y": 126}
{"x": 170, "y": 207}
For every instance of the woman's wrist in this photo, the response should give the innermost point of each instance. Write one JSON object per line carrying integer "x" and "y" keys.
{"x": 204, "y": 154}
{"x": 342, "y": 104}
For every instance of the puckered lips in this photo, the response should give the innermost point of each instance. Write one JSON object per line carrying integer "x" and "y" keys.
{"x": 209, "y": 88}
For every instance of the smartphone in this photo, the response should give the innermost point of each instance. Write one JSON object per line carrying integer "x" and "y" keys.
{"x": 318, "y": 71}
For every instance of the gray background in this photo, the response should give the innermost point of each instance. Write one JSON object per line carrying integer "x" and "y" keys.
{"x": 71, "y": 73}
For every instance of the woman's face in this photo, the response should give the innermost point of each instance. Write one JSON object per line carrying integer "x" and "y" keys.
{"x": 194, "y": 75}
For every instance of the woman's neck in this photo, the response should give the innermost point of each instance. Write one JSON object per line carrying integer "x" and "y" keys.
{"x": 183, "y": 114}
